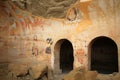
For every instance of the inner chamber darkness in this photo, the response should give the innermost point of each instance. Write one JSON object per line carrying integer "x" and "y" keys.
{"x": 66, "y": 57}
{"x": 104, "y": 55}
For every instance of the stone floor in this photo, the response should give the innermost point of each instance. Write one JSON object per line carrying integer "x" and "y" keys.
{"x": 5, "y": 76}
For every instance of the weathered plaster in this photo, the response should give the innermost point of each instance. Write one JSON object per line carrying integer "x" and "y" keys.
{"x": 24, "y": 37}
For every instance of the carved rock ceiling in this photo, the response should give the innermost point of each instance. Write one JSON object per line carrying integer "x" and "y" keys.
{"x": 46, "y": 8}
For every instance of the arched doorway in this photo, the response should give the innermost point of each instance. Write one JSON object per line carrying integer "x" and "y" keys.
{"x": 103, "y": 55}
{"x": 63, "y": 56}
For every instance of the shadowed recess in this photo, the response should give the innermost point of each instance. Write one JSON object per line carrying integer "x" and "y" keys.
{"x": 66, "y": 57}
{"x": 104, "y": 55}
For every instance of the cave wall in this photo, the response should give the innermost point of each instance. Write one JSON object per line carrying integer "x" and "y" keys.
{"x": 45, "y": 8}
{"x": 27, "y": 38}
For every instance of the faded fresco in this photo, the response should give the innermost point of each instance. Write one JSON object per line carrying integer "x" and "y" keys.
{"x": 33, "y": 38}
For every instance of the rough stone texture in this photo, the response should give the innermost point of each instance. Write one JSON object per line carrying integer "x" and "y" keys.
{"x": 38, "y": 71}
{"x": 91, "y": 75}
{"x": 18, "y": 69}
{"x": 81, "y": 74}
{"x": 21, "y": 32}
{"x": 45, "y": 8}
{"x": 76, "y": 74}
{"x": 116, "y": 77}
{"x": 87, "y": 75}
{"x": 15, "y": 71}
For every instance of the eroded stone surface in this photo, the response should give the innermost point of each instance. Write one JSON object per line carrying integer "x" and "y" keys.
{"x": 19, "y": 71}
{"x": 45, "y": 8}
{"x": 81, "y": 74}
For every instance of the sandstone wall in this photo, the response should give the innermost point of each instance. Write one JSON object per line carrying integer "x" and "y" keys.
{"x": 23, "y": 37}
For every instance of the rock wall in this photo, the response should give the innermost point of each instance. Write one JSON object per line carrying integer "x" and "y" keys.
{"x": 24, "y": 37}
{"x": 45, "y": 8}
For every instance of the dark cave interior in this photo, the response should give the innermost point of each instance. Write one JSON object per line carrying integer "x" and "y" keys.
{"x": 66, "y": 57}
{"x": 104, "y": 55}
